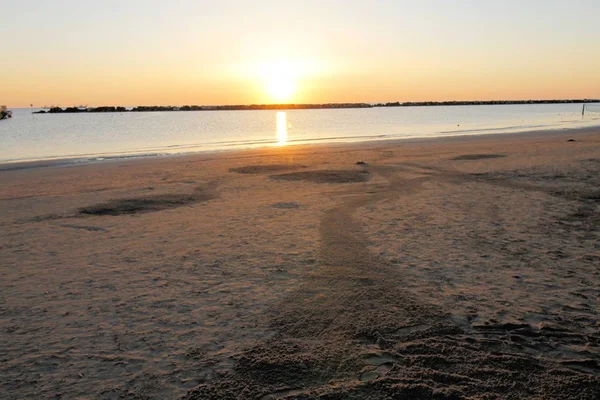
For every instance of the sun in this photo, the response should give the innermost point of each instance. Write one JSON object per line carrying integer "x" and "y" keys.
{"x": 281, "y": 87}
{"x": 280, "y": 80}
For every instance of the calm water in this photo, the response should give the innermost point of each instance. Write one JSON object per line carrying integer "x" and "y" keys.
{"x": 88, "y": 136}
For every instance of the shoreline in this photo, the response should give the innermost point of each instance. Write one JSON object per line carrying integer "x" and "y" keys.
{"x": 60, "y": 161}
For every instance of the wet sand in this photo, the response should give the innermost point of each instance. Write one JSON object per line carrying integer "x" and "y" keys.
{"x": 463, "y": 268}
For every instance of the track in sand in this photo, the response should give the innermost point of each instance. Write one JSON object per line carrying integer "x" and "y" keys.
{"x": 351, "y": 330}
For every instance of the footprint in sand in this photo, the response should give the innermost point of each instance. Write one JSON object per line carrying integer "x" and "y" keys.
{"x": 380, "y": 364}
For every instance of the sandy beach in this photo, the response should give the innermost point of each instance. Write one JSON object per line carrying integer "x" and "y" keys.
{"x": 457, "y": 268}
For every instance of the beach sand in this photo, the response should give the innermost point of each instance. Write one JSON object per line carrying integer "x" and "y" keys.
{"x": 461, "y": 268}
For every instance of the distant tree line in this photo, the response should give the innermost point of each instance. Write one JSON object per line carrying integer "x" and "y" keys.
{"x": 112, "y": 109}
{"x": 482, "y": 102}
{"x": 70, "y": 110}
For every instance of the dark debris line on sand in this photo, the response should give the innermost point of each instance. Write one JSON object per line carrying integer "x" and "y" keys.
{"x": 325, "y": 176}
{"x": 266, "y": 168}
{"x": 477, "y": 157}
{"x": 352, "y": 332}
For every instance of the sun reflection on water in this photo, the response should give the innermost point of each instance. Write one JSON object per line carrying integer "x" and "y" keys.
{"x": 282, "y": 128}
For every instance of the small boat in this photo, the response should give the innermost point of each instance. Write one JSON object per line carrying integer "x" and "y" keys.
{"x": 4, "y": 113}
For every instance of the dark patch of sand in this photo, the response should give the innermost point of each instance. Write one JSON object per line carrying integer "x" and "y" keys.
{"x": 478, "y": 156}
{"x": 42, "y": 218}
{"x": 83, "y": 227}
{"x": 148, "y": 203}
{"x": 286, "y": 205}
{"x": 325, "y": 176}
{"x": 265, "y": 168}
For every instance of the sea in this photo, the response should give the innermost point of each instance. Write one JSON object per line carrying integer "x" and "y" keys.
{"x": 104, "y": 136}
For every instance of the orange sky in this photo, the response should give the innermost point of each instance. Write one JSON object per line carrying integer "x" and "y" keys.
{"x": 236, "y": 52}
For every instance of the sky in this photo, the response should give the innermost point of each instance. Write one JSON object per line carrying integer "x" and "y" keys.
{"x": 265, "y": 51}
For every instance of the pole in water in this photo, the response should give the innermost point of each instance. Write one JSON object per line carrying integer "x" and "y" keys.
{"x": 583, "y": 111}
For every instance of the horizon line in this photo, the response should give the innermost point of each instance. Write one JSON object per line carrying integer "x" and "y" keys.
{"x": 208, "y": 107}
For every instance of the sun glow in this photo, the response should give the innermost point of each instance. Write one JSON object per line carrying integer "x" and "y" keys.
{"x": 281, "y": 81}
{"x": 281, "y": 87}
